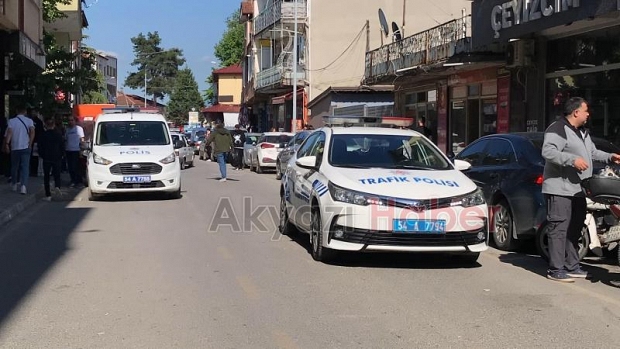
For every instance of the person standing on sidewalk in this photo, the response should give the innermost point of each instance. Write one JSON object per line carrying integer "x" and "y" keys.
{"x": 569, "y": 153}
{"x": 19, "y": 137}
{"x": 38, "y": 131}
{"x": 222, "y": 141}
{"x": 74, "y": 136}
{"x": 238, "y": 137}
{"x": 51, "y": 147}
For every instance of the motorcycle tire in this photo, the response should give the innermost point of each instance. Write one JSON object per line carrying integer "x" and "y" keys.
{"x": 542, "y": 245}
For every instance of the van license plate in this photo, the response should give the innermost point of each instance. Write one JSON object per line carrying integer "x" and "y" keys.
{"x": 137, "y": 179}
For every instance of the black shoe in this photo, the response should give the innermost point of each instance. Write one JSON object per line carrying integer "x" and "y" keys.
{"x": 560, "y": 276}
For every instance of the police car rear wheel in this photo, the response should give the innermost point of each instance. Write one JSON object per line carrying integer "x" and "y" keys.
{"x": 286, "y": 228}
{"x": 319, "y": 252}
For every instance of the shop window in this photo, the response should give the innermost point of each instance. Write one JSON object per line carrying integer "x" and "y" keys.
{"x": 458, "y": 126}
{"x": 585, "y": 50}
{"x": 473, "y": 90}
{"x": 489, "y": 117}
{"x": 459, "y": 92}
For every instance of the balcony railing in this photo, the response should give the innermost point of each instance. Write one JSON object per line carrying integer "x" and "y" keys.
{"x": 279, "y": 76}
{"x": 278, "y": 11}
{"x": 424, "y": 48}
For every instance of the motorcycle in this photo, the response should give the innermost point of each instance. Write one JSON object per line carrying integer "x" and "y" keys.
{"x": 601, "y": 228}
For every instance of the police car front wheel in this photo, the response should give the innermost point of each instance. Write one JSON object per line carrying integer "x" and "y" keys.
{"x": 319, "y": 252}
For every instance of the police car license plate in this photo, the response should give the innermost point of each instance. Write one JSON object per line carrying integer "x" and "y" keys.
{"x": 419, "y": 226}
{"x": 137, "y": 179}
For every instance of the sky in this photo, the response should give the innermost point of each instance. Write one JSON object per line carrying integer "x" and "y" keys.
{"x": 194, "y": 26}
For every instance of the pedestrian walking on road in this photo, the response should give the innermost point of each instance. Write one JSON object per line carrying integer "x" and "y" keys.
{"x": 51, "y": 148}
{"x": 238, "y": 137}
{"x": 569, "y": 153}
{"x": 74, "y": 136}
{"x": 222, "y": 145}
{"x": 18, "y": 140}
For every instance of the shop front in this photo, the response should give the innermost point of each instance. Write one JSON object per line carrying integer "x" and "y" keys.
{"x": 555, "y": 50}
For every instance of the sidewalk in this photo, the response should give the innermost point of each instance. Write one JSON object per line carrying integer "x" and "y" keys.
{"x": 13, "y": 203}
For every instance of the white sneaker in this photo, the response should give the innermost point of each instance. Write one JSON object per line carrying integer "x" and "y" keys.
{"x": 57, "y": 191}
{"x": 222, "y": 179}
{"x": 47, "y": 198}
{"x": 23, "y": 191}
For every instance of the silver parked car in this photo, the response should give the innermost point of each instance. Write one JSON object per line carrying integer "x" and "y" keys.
{"x": 250, "y": 143}
{"x": 289, "y": 151}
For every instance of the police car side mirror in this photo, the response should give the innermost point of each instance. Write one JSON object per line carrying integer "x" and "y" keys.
{"x": 461, "y": 165}
{"x": 179, "y": 145}
{"x": 307, "y": 162}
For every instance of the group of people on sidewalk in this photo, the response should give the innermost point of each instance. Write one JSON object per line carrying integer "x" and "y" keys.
{"x": 28, "y": 141}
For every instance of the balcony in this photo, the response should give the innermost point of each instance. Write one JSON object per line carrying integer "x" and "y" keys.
{"x": 278, "y": 77}
{"x": 279, "y": 11}
{"x": 422, "y": 49}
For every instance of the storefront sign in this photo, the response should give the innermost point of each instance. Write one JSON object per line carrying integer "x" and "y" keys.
{"x": 532, "y": 125}
{"x": 518, "y": 12}
{"x": 502, "y": 20}
{"x": 503, "y": 104}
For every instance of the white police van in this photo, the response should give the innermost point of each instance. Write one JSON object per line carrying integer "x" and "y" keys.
{"x": 132, "y": 152}
{"x": 376, "y": 189}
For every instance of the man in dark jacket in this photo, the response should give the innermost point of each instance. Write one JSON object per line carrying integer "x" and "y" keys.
{"x": 51, "y": 148}
{"x": 238, "y": 137}
{"x": 222, "y": 141}
{"x": 569, "y": 153}
{"x": 421, "y": 128}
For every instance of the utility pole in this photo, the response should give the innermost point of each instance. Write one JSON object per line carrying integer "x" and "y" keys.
{"x": 367, "y": 35}
{"x": 145, "y": 85}
{"x": 294, "y": 126}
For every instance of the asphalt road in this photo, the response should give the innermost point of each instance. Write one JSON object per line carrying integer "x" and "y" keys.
{"x": 143, "y": 272}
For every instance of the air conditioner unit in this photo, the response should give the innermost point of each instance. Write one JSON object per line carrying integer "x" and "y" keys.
{"x": 519, "y": 53}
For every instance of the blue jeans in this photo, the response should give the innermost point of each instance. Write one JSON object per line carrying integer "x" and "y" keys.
{"x": 20, "y": 164}
{"x": 221, "y": 160}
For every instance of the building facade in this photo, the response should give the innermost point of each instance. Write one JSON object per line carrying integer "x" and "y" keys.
{"x": 107, "y": 66}
{"x": 227, "y": 85}
{"x": 21, "y": 49}
{"x": 332, "y": 38}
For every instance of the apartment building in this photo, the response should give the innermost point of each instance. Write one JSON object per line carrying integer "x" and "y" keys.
{"x": 107, "y": 66}
{"x": 227, "y": 84}
{"x": 332, "y": 39}
{"x": 21, "y": 49}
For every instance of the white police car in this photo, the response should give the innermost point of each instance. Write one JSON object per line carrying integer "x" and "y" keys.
{"x": 375, "y": 189}
{"x": 132, "y": 151}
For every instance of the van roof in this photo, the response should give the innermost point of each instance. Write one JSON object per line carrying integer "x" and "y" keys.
{"x": 131, "y": 117}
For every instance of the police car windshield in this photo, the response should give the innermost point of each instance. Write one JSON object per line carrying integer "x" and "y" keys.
{"x": 385, "y": 151}
{"x": 128, "y": 133}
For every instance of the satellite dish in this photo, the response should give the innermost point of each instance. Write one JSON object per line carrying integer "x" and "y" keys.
{"x": 396, "y": 33}
{"x": 383, "y": 23}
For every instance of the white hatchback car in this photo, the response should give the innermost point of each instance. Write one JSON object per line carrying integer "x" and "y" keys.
{"x": 265, "y": 153}
{"x": 375, "y": 189}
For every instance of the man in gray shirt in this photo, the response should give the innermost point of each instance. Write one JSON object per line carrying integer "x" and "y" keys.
{"x": 18, "y": 139}
{"x": 569, "y": 154}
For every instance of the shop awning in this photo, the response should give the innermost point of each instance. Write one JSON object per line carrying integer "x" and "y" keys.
{"x": 287, "y": 97}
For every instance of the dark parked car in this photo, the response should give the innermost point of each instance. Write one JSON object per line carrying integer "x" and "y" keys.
{"x": 509, "y": 170}
{"x": 289, "y": 151}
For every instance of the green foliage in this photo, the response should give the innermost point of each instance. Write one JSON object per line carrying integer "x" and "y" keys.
{"x": 184, "y": 97}
{"x": 50, "y": 10}
{"x": 59, "y": 75}
{"x": 96, "y": 96}
{"x": 229, "y": 50}
{"x": 160, "y": 66}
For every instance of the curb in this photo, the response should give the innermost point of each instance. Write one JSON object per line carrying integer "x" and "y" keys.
{"x": 12, "y": 212}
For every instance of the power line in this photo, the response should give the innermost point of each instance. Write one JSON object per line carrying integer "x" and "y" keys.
{"x": 343, "y": 52}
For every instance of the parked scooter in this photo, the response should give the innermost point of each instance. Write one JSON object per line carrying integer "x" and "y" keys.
{"x": 601, "y": 229}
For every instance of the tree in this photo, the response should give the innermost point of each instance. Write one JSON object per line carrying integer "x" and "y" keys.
{"x": 51, "y": 12}
{"x": 160, "y": 66}
{"x": 96, "y": 97}
{"x": 185, "y": 96}
{"x": 228, "y": 51}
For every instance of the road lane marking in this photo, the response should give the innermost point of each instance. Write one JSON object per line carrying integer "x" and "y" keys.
{"x": 248, "y": 287}
{"x": 225, "y": 253}
{"x": 283, "y": 340}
